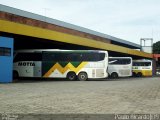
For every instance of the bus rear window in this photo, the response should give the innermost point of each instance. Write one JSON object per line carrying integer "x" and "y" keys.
{"x": 142, "y": 64}
{"x": 119, "y": 61}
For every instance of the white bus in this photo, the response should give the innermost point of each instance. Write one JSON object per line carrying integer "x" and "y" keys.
{"x": 142, "y": 68}
{"x": 71, "y": 64}
{"x": 120, "y": 67}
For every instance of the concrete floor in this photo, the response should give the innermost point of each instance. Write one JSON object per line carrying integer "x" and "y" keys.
{"x": 128, "y": 95}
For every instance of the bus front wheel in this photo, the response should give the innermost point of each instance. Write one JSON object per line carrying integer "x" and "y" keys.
{"x": 71, "y": 76}
{"x": 82, "y": 76}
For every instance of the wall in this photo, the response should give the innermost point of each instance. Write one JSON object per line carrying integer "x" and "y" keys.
{"x": 6, "y": 59}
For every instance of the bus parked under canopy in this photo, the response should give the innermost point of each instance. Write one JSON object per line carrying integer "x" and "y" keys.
{"x": 71, "y": 64}
{"x": 120, "y": 67}
{"x": 142, "y": 68}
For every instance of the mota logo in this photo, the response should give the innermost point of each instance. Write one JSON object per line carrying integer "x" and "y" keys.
{"x": 26, "y": 64}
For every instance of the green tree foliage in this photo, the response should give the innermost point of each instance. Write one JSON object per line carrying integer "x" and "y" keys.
{"x": 156, "y": 48}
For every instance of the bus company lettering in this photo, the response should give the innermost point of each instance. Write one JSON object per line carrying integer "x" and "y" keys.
{"x": 26, "y": 64}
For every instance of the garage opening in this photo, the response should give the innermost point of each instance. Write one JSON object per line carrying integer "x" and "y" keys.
{"x": 22, "y": 42}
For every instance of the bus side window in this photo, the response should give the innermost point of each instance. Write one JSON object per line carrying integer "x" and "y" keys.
{"x": 28, "y": 57}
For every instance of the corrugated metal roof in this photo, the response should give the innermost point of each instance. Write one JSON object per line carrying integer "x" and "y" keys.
{"x": 23, "y": 13}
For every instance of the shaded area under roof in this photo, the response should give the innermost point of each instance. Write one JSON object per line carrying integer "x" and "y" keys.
{"x": 22, "y": 13}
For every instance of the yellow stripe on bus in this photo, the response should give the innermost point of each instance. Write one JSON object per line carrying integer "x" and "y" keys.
{"x": 144, "y": 72}
{"x": 69, "y": 66}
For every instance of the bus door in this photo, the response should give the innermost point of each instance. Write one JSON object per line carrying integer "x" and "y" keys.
{"x": 37, "y": 69}
{"x": 37, "y": 65}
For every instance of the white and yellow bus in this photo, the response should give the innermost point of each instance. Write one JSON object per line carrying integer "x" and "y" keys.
{"x": 71, "y": 64}
{"x": 120, "y": 67}
{"x": 142, "y": 68}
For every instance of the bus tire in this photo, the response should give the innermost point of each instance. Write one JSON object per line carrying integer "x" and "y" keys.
{"x": 139, "y": 74}
{"x": 134, "y": 74}
{"x": 71, "y": 76}
{"x": 15, "y": 76}
{"x": 114, "y": 75}
{"x": 82, "y": 76}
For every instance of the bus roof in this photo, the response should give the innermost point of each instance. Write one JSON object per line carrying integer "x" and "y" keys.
{"x": 50, "y": 50}
{"x": 122, "y": 57}
{"x": 142, "y": 60}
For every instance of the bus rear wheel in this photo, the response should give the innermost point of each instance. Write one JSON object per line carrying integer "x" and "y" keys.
{"x": 15, "y": 76}
{"x": 82, "y": 76}
{"x": 71, "y": 76}
{"x": 139, "y": 74}
{"x": 114, "y": 75}
{"x": 134, "y": 74}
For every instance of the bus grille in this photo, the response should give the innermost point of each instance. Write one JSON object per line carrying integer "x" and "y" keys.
{"x": 124, "y": 72}
{"x": 99, "y": 73}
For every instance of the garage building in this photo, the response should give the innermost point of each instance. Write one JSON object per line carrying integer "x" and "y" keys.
{"x": 24, "y": 30}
